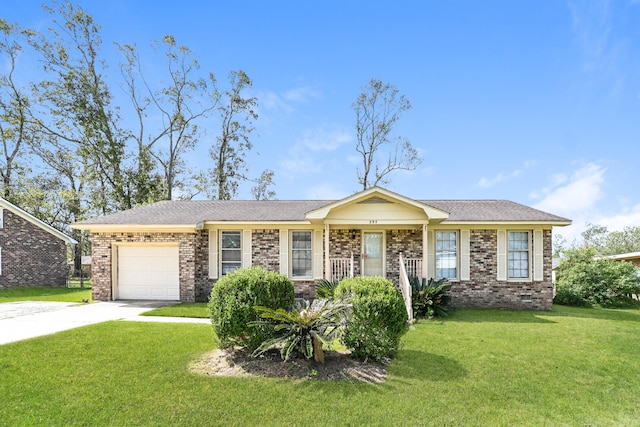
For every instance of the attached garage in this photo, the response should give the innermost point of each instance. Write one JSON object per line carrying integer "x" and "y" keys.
{"x": 148, "y": 273}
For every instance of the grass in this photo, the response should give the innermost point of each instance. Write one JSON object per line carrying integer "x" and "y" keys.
{"x": 185, "y": 309}
{"x": 45, "y": 293}
{"x": 569, "y": 366}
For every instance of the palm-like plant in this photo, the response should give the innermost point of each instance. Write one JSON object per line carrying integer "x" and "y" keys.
{"x": 306, "y": 328}
{"x": 432, "y": 298}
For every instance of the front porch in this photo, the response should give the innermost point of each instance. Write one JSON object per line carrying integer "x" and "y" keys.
{"x": 395, "y": 254}
{"x": 367, "y": 252}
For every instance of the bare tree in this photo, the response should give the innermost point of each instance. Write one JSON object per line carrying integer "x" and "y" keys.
{"x": 15, "y": 129}
{"x": 378, "y": 108}
{"x": 75, "y": 116}
{"x": 236, "y": 114}
{"x": 261, "y": 190}
{"x": 183, "y": 100}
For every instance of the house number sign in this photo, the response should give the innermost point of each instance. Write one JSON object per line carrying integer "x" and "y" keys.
{"x": 373, "y": 221}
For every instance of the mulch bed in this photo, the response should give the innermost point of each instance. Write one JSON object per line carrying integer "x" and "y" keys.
{"x": 337, "y": 366}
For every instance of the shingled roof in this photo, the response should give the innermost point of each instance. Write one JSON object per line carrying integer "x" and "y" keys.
{"x": 491, "y": 210}
{"x": 181, "y": 213}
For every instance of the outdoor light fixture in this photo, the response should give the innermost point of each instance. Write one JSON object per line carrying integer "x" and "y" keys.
{"x": 354, "y": 233}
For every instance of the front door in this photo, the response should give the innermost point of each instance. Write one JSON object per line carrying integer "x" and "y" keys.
{"x": 373, "y": 253}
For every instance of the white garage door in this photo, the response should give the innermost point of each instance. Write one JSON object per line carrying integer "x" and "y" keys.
{"x": 148, "y": 272}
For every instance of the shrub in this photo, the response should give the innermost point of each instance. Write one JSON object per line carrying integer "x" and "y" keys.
{"x": 305, "y": 329}
{"x": 430, "y": 299}
{"x": 583, "y": 279}
{"x": 379, "y": 317}
{"x": 233, "y": 298}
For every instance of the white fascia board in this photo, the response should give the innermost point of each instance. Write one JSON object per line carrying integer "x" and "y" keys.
{"x": 259, "y": 224}
{"x": 181, "y": 228}
{"x": 508, "y": 223}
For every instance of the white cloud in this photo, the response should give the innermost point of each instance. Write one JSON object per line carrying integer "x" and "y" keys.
{"x": 302, "y": 94}
{"x": 500, "y": 177}
{"x": 304, "y": 156}
{"x": 286, "y": 101}
{"x": 629, "y": 217}
{"x": 574, "y": 195}
{"x": 323, "y": 140}
{"x": 273, "y": 101}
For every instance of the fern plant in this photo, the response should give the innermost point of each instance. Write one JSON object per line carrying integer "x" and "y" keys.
{"x": 305, "y": 329}
{"x": 325, "y": 288}
{"x": 430, "y": 299}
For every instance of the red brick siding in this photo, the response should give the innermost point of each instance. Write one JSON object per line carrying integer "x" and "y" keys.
{"x": 31, "y": 256}
{"x": 190, "y": 260}
{"x": 484, "y": 290}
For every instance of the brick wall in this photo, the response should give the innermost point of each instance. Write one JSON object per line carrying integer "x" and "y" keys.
{"x": 30, "y": 255}
{"x": 484, "y": 290}
{"x": 342, "y": 245}
{"x": 191, "y": 260}
{"x": 265, "y": 249}
{"x": 407, "y": 242}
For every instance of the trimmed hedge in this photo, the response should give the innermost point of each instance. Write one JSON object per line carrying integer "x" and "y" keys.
{"x": 233, "y": 298}
{"x": 379, "y": 317}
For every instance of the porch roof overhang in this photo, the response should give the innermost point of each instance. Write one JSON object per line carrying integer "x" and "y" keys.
{"x": 328, "y": 214}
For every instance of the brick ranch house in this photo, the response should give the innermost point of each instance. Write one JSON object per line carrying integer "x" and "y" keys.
{"x": 496, "y": 253}
{"x": 32, "y": 253}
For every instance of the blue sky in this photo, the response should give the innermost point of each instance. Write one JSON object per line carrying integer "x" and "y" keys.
{"x": 533, "y": 101}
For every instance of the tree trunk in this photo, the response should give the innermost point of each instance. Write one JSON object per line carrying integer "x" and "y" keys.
{"x": 318, "y": 354}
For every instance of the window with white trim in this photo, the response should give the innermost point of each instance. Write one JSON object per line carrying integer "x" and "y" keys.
{"x": 230, "y": 251}
{"x": 301, "y": 256}
{"x": 518, "y": 255}
{"x": 446, "y": 254}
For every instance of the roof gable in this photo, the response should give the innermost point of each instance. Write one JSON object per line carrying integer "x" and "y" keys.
{"x": 5, "y": 204}
{"x": 379, "y": 201}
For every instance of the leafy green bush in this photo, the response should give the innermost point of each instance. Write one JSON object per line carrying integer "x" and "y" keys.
{"x": 430, "y": 299}
{"x": 583, "y": 279}
{"x": 305, "y": 329}
{"x": 233, "y": 298}
{"x": 379, "y": 317}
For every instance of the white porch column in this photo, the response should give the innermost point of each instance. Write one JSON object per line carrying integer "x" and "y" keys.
{"x": 327, "y": 262}
{"x": 425, "y": 251}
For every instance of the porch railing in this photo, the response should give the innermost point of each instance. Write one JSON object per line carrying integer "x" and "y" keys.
{"x": 405, "y": 286}
{"x": 413, "y": 266}
{"x": 341, "y": 268}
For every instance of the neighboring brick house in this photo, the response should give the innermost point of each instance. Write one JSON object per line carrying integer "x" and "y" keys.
{"x": 496, "y": 253}
{"x": 32, "y": 253}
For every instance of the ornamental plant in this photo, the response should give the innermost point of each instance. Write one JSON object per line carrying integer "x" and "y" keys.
{"x": 379, "y": 317}
{"x": 232, "y": 303}
{"x": 304, "y": 330}
{"x": 430, "y": 298}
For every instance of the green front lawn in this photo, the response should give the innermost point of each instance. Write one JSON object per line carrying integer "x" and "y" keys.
{"x": 45, "y": 293}
{"x": 184, "y": 309}
{"x": 478, "y": 367}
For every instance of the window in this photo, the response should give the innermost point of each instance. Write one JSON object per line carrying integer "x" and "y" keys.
{"x": 231, "y": 251}
{"x": 301, "y": 265}
{"x": 518, "y": 259}
{"x": 446, "y": 254}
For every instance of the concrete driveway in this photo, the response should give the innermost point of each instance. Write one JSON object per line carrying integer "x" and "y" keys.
{"x": 29, "y": 319}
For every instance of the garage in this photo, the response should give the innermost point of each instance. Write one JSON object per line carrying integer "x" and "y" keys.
{"x": 148, "y": 272}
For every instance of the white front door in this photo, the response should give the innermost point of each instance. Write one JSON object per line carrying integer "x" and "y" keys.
{"x": 373, "y": 253}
